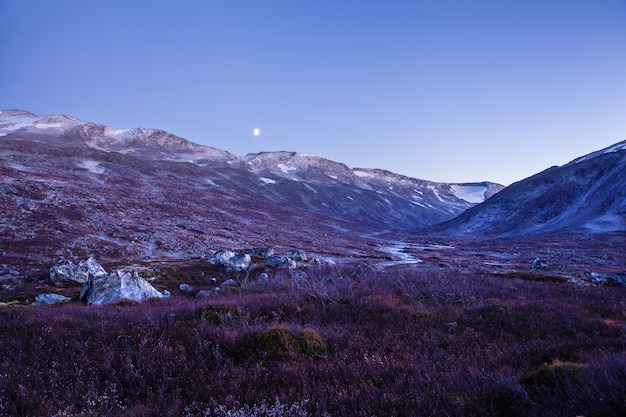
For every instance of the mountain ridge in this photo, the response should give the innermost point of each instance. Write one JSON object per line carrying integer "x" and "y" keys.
{"x": 587, "y": 194}
{"x": 73, "y": 188}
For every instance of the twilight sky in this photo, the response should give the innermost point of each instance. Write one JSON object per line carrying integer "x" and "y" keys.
{"x": 444, "y": 90}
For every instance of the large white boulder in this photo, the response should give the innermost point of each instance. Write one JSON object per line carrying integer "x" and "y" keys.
{"x": 121, "y": 285}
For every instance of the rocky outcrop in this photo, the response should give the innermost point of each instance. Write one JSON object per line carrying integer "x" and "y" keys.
{"x": 121, "y": 285}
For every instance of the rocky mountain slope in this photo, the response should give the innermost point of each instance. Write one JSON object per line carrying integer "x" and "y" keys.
{"x": 73, "y": 188}
{"x": 587, "y": 194}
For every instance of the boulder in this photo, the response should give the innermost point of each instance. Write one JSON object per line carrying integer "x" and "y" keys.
{"x": 539, "y": 264}
{"x": 50, "y": 298}
{"x": 230, "y": 283}
{"x": 279, "y": 261}
{"x": 185, "y": 287}
{"x": 323, "y": 261}
{"x": 262, "y": 252}
{"x": 65, "y": 272}
{"x": 117, "y": 286}
{"x": 92, "y": 267}
{"x": 295, "y": 254}
{"x": 221, "y": 257}
{"x": 238, "y": 263}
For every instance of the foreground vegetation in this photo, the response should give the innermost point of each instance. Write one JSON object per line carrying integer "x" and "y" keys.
{"x": 335, "y": 342}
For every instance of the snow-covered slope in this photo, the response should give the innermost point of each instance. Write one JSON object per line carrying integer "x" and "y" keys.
{"x": 588, "y": 193}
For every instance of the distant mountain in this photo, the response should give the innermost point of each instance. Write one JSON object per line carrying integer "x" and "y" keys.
{"x": 588, "y": 193}
{"x": 71, "y": 188}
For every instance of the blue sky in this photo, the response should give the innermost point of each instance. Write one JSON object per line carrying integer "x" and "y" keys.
{"x": 464, "y": 90}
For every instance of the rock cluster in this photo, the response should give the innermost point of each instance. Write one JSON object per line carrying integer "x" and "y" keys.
{"x": 100, "y": 287}
{"x": 231, "y": 261}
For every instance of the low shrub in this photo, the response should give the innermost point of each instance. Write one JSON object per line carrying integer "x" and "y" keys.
{"x": 396, "y": 343}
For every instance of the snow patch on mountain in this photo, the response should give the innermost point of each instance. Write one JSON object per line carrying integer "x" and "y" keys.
{"x": 286, "y": 168}
{"x": 436, "y": 192}
{"x": 469, "y": 193}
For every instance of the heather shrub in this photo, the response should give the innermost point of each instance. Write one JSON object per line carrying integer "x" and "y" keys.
{"x": 391, "y": 343}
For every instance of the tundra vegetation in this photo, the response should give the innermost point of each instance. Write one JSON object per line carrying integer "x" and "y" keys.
{"x": 335, "y": 341}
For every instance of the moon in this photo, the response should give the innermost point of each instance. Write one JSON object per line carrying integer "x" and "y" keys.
{"x": 256, "y": 132}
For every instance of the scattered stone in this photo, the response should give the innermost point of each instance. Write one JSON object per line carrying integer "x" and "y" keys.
{"x": 50, "y": 298}
{"x": 185, "y": 287}
{"x": 539, "y": 264}
{"x": 125, "y": 284}
{"x": 204, "y": 293}
{"x": 213, "y": 280}
{"x": 230, "y": 283}
{"x": 263, "y": 277}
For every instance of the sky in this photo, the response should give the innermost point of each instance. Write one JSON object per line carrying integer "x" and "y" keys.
{"x": 442, "y": 90}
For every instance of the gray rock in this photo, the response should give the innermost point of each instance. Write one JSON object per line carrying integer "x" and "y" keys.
{"x": 221, "y": 257}
{"x": 262, "y": 252}
{"x": 204, "y": 293}
{"x": 238, "y": 263}
{"x": 280, "y": 261}
{"x": 50, "y": 298}
{"x": 65, "y": 272}
{"x": 321, "y": 261}
{"x": 539, "y": 264}
{"x": 230, "y": 283}
{"x": 295, "y": 254}
{"x": 92, "y": 267}
{"x": 120, "y": 285}
{"x": 185, "y": 287}
{"x": 609, "y": 280}
{"x": 263, "y": 277}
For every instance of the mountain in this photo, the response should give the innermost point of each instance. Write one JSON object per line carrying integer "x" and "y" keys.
{"x": 72, "y": 188}
{"x": 588, "y": 194}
